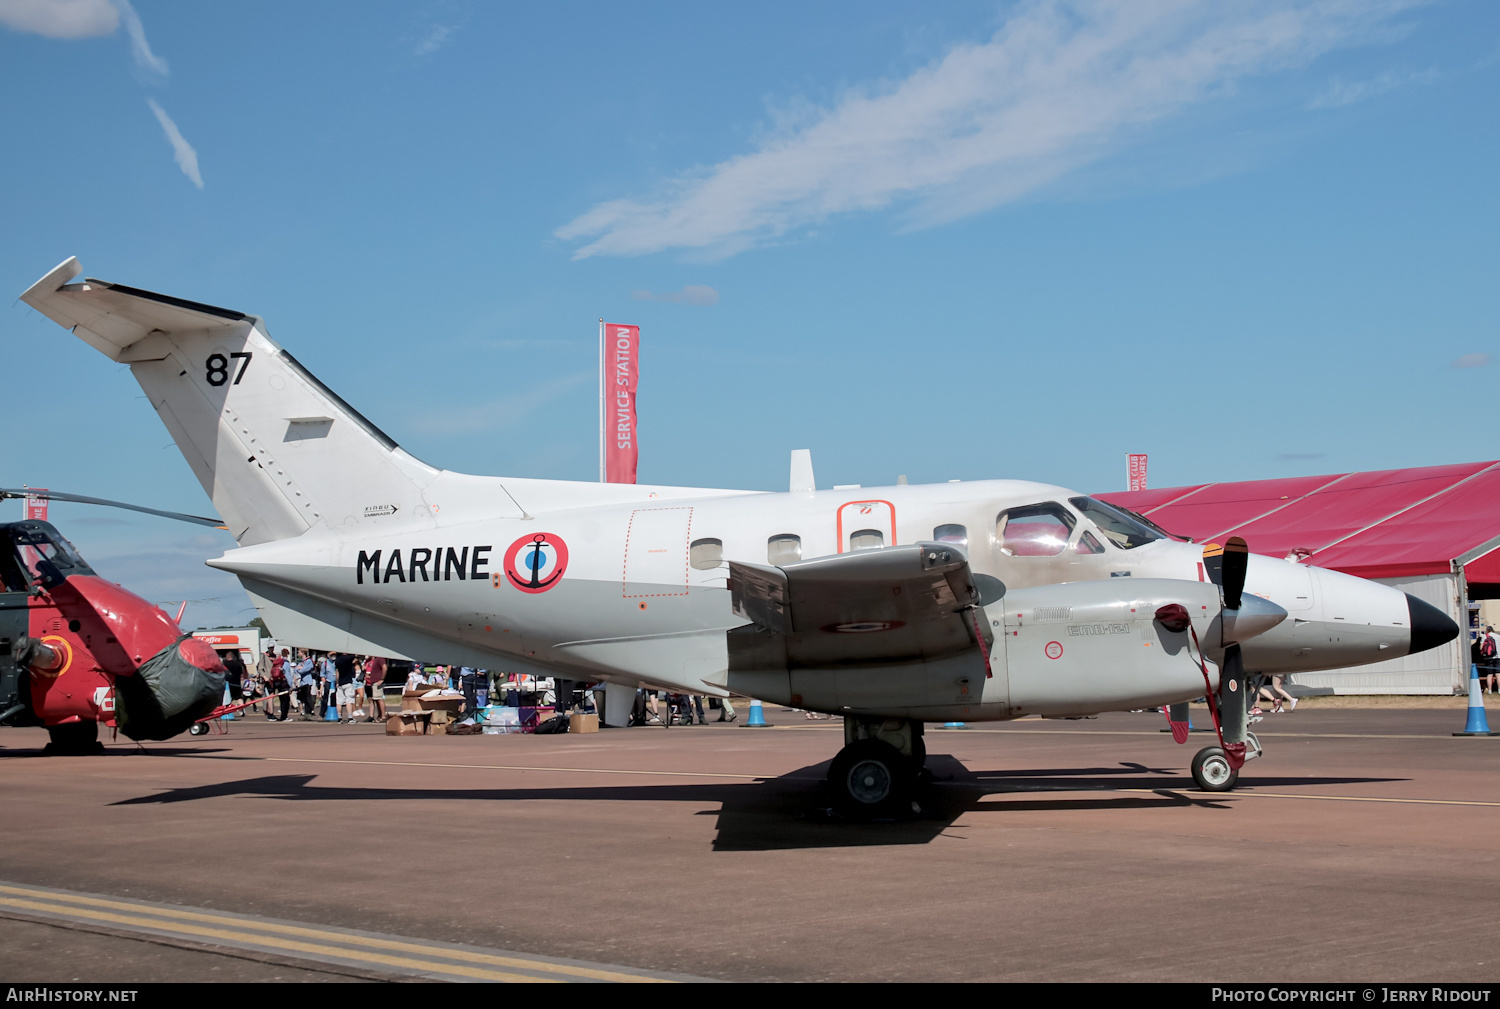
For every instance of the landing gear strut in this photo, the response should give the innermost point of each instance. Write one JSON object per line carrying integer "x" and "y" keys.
{"x": 876, "y": 772}
{"x": 1217, "y": 768}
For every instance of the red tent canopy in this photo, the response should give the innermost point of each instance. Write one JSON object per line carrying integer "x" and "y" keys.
{"x": 1388, "y": 524}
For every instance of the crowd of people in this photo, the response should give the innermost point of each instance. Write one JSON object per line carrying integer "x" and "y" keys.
{"x": 306, "y": 684}
{"x": 309, "y": 683}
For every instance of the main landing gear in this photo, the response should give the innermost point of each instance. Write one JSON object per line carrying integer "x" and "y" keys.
{"x": 74, "y": 739}
{"x": 876, "y": 773}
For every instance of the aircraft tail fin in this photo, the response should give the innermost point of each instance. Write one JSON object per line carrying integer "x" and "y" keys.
{"x": 278, "y": 451}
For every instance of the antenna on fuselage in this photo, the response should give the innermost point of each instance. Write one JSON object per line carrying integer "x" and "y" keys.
{"x": 802, "y": 472}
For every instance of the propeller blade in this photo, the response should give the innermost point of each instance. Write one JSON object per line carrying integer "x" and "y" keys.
{"x": 1236, "y": 564}
{"x": 52, "y": 495}
{"x": 1213, "y": 562}
{"x": 1226, "y": 567}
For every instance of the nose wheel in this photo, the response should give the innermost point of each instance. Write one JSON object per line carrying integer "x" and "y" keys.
{"x": 1212, "y": 771}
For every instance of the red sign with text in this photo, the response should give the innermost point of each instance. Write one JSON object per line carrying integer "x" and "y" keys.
{"x": 1135, "y": 471}
{"x": 621, "y": 363}
{"x": 36, "y": 504}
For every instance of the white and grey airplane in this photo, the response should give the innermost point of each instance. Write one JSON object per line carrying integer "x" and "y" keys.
{"x": 892, "y": 607}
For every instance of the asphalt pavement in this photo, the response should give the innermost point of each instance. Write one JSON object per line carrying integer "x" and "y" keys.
{"x": 1362, "y": 846}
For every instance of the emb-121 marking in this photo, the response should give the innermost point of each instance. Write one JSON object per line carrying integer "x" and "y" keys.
{"x": 1084, "y": 630}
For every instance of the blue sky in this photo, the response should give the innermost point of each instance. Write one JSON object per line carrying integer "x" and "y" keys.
{"x": 960, "y": 240}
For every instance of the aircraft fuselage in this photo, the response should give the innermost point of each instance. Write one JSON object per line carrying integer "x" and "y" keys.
{"x": 637, "y": 591}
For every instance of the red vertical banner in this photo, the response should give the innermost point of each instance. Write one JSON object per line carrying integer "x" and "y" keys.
{"x": 620, "y": 363}
{"x": 36, "y": 504}
{"x": 1135, "y": 472}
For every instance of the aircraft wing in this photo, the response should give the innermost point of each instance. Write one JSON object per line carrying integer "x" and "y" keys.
{"x": 113, "y": 317}
{"x": 896, "y": 604}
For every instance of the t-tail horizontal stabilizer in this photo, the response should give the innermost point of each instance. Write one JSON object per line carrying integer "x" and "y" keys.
{"x": 278, "y": 451}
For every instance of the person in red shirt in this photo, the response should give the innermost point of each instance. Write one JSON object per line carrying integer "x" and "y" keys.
{"x": 375, "y": 686}
{"x": 279, "y": 685}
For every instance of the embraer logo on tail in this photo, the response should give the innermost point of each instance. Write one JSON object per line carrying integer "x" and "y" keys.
{"x": 445, "y": 562}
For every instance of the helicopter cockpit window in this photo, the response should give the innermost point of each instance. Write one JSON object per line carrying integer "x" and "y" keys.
{"x": 12, "y": 576}
{"x": 1039, "y": 530}
{"x": 42, "y": 555}
{"x": 1119, "y": 527}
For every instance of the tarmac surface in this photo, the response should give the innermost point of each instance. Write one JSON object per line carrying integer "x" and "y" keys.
{"x": 1361, "y": 847}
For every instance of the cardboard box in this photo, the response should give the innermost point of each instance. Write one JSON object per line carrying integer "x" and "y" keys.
{"x": 411, "y": 700}
{"x": 578, "y": 721}
{"x": 406, "y": 723}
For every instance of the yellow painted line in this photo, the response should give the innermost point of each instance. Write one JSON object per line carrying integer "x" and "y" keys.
{"x": 199, "y": 932}
{"x": 1362, "y": 798}
{"x": 1265, "y": 733}
{"x": 277, "y": 930}
{"x": 1262, "y": 733}
{"x": 1247, "y": 793}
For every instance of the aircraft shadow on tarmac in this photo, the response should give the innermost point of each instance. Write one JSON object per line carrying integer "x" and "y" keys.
{"x": 791, "y": 811}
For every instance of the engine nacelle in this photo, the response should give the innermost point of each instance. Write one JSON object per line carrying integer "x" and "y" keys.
{"x": 1070, "y": 649}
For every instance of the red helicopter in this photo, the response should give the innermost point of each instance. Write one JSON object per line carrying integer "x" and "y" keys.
{"x": 77, "y": 650}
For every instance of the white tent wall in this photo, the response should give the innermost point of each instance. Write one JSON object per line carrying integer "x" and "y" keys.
{"x": 1441, "y": 670}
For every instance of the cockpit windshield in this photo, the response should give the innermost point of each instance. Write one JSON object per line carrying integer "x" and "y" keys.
{"x": 37, "y": 553}
{"x": 1122, "y": 528}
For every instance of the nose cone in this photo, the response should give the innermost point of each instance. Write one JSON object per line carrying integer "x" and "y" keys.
{"x": 1255, "y": 616}
{"x": 1430, "y": 626}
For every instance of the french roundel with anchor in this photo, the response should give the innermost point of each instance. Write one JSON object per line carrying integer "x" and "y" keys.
{"x": 536, "y": 562}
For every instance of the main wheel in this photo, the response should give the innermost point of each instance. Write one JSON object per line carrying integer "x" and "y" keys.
{"x": 1212, "y": 772}
{"x": 74, "y": 739}
{"x": 870, "y": 779}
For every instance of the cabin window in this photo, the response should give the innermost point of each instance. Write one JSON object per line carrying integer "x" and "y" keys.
{"x": 866, "y": 539}
{"x": 784, "y": 549}
{"x": 952, "y": 534}
{"x": 1039, "y": 530}
{"x": 706, "y": 554}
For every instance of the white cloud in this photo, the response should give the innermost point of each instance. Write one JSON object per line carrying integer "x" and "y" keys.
{"x": 140, "y": 49}
{"x": 501, "y": 414}
{"x": 1340, "y": 93}
{"x": 692, "y": 294}
{"x": 435, "y": 40}
{"x": 60, "y": 19}
{"x": 1061, "y": 84}
{"x": 187, "y": 158}
{"x": 1471, "y": 361}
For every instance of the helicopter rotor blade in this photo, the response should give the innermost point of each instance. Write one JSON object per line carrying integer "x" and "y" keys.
{"x": 52, "y": 495}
